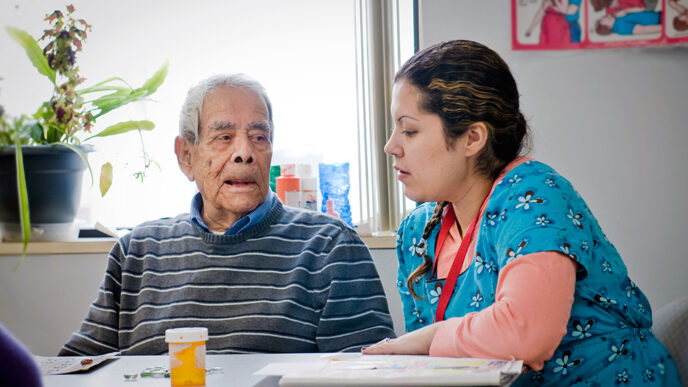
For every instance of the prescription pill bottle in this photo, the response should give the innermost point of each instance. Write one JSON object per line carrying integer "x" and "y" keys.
{"x": 187, "y": 355}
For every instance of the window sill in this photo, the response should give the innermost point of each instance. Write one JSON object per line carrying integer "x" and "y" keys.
{"x": 103, "y": 245}
{"x": 81, "y": 246}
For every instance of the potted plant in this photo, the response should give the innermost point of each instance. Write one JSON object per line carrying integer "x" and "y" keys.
{"x": 61, "y": 127}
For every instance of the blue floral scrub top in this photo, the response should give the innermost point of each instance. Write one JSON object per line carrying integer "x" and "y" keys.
{"x": 534, "y": 209}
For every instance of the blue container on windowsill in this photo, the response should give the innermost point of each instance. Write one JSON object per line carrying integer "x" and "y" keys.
{"x": 335, "y": 184}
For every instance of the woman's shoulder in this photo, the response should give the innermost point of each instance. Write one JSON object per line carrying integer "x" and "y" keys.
{"x": 529, "y": 168}
{"x": 532, "y": 193}
{"x": 532, "y": 175}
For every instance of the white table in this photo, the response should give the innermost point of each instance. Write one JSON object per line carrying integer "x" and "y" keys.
{"x": 237, "y": 371}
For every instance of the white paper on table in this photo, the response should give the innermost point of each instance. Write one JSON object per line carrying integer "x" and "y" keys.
{"x": 65, "y": 364}
{"x": 394, "y": 370}
{"x": 279, "y": 369}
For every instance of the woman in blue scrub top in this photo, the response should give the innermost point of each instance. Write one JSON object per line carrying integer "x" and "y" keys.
{"x": 504, "y": 259}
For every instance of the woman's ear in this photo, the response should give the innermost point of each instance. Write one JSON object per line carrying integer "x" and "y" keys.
{"x": 476, "y": 138}
{"x": 183, "y": 148}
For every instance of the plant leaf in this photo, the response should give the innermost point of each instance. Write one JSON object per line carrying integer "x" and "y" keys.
{"x": 91, "y": 88}
{"x": 24, "y": 218}
{"x": 123, "y": 127}
{"x": 96, "y": 89}
{"x": 115, "y": 98}
{"x": 33, "y": 51}
{"x": 112, "y": 101}
{"x": 152, "y": 84}
{"x": 105, "y": 178}
{"x": 37, "y": 133}
{"x": 52, "y": 135}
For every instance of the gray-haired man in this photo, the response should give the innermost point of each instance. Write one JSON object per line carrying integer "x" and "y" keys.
{"x": 260, "y": 276}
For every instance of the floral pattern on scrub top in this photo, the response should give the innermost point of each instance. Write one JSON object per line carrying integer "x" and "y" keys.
{"x": 534, "y": 209}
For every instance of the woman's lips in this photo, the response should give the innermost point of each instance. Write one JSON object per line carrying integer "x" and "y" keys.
{"x": 401, "y": 174}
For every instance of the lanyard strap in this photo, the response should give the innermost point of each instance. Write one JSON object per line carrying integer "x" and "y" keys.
{"x": 455, "y": 270}
{"x": 447, "y": 223}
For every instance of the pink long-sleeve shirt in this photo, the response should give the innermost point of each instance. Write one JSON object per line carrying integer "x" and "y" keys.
{"x": 532, "y": 306}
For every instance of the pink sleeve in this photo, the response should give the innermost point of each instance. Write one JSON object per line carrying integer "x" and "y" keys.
{"x": 526, "y": 322}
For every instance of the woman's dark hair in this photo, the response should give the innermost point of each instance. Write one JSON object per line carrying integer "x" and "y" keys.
{"x": 464, "y": 82}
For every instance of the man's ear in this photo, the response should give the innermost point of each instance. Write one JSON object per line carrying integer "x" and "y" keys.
{"x": 476, "y": 138}
{"x": 183, "y": 148}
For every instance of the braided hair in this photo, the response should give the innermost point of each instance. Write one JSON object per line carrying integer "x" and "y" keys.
{"x": 464, "y": 82}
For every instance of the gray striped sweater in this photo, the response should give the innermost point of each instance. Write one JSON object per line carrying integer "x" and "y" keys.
{"x": 298, "y": 281}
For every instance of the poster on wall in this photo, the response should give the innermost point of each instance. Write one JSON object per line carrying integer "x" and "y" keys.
{"x": 589, "y": 24}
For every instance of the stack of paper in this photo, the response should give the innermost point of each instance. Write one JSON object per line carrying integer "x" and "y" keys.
{"x": 395, "y": 370}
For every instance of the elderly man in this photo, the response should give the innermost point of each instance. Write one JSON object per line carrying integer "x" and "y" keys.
{"x": 260, "y": 276}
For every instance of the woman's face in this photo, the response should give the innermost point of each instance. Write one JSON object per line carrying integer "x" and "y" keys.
{"x": 429, "y": 170}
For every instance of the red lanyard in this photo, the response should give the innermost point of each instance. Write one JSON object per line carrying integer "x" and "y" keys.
{"x": 455, "y": 270}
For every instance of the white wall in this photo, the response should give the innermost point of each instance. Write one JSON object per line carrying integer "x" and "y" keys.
{"x": 46, "y": 299}
{"x": 613, "y": 122}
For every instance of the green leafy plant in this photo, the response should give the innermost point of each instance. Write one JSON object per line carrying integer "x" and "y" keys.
{"x": 69, "y": 116}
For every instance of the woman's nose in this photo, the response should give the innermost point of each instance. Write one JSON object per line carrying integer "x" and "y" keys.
{"x": 392, "y": 148}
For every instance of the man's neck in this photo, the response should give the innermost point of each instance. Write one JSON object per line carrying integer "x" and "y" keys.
{"x": 219, "y": 222}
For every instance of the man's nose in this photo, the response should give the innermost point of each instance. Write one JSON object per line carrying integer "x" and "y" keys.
{"x": 243, "y": 151}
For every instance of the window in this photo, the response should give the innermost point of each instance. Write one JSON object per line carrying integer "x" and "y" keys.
{"x": 385, "y": 40}
{"x": 302, "y": 51}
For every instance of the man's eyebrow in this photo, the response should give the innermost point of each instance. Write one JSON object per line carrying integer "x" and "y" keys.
{"x": 261, "y": 125}
{"x": 222, "y": 125}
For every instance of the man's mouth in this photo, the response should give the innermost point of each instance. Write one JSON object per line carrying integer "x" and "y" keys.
{"x": 240, "y": 183}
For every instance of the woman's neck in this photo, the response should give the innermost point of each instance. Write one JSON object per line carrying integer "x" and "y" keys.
{"x": 467, "y": 203}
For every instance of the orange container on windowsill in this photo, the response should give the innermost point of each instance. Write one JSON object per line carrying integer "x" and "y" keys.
{"x": 288, "y": 186}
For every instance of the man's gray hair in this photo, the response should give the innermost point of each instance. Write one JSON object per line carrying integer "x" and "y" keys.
{"x": 190, "y": 117}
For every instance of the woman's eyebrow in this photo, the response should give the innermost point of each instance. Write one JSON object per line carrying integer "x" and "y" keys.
{"x": 406, "y": 117}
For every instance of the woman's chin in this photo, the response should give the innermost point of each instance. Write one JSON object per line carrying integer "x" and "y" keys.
{"x": 416, "y": 197}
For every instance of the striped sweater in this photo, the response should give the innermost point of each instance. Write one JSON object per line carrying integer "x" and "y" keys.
{"x": 297, "y": 281}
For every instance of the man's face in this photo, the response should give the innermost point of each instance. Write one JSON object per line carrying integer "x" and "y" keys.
{"x": 231, "y": 162}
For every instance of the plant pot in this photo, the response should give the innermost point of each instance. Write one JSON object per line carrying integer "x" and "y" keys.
{"x": 53, "y": 178}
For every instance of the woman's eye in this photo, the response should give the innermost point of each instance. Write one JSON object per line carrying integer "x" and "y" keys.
{"x": 408, "y": 132}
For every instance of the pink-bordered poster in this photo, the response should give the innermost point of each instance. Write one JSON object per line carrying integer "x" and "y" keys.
{"x": 586, "y": 24}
